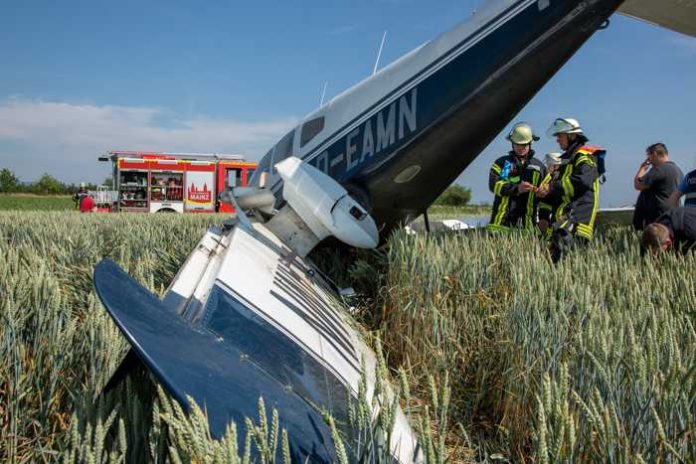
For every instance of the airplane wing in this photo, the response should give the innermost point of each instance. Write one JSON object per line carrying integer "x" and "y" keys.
{"x": 678, "y": 15}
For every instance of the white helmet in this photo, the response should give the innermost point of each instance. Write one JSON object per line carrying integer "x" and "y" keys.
{"x": 564, "y": 126}
{"x": 552, "y": 159}
{"x": 522, "y": 134}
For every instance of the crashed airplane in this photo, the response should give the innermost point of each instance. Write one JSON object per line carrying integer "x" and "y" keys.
{"x": 249, "y": 315}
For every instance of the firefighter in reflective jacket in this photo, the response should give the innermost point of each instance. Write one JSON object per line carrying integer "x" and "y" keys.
{"x": 514, "y": 179}
{"x": 577, "y": 188}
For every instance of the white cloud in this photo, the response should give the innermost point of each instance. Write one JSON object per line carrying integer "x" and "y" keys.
{"x": 65, "y": 139}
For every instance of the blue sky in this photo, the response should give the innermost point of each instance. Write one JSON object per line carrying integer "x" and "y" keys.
{"x": 80, "y": 78}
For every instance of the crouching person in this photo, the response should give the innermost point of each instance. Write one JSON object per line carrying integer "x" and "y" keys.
{"x": 674, "y": 230}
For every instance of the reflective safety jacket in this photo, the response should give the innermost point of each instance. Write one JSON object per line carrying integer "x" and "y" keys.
{"x": 511, "y": 208}
{"x": 578, "y": 189}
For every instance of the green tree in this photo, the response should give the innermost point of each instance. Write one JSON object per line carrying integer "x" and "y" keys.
{"x": 454, "y": 195}
{"x": 49, "y": 185}
{"x": 8, "y": 181}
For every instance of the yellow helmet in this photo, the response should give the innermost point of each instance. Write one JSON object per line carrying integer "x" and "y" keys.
{"x": 522, "y": 134}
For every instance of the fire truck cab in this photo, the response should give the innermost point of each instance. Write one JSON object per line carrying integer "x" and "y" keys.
{"x": 175, "y": 182}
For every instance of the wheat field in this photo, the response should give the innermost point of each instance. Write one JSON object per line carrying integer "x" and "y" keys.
{"x": 499, "y": 357}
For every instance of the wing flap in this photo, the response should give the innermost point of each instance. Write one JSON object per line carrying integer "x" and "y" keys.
{"x": 677, "y": 15}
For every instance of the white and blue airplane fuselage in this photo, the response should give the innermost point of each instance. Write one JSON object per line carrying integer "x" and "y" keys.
{"x": 400, "y": 137}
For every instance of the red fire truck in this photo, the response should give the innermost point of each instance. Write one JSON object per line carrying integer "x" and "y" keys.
{"x": 173, "y": 182}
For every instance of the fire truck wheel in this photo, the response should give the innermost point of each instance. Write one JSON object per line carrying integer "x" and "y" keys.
{"x": 166, "y": 210}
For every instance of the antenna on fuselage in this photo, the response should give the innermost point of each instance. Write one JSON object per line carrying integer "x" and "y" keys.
{"x": 379, "y": 53}
{"x": 323, "y": 93}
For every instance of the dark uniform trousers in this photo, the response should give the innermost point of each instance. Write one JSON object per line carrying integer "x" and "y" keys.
{"x": 511, "y": 208}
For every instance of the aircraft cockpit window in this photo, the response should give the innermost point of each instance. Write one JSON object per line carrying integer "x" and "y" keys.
{"x": 263, "y": 167}
{"x": 283, "y": 149}
{"x": 310, "y": 129}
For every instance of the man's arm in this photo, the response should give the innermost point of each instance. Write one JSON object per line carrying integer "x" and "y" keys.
{"x": 673, "y": 199}
{"x": 638, "y": 182}
{"x": 498, "y": 185}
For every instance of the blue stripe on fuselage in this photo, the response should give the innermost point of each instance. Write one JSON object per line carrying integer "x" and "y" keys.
{"x": 425, "y": 70}
{"x": 319, "y": 149}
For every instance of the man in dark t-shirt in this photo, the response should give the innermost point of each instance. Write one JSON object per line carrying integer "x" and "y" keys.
{"x": 675, "y": 230}
{"x": 657, "y": 179}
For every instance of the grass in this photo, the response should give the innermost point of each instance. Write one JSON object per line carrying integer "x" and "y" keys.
{"x": 500, "y": 356}
{"x": 590, "y": 361}
{"x": 455, "y": 212}
{"x": 58, "y": 347}
{"x": 28, "y": 202}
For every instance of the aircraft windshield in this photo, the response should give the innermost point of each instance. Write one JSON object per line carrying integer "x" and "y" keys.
{"x": 283, "y": 149}
{"x": 263, "y": 167}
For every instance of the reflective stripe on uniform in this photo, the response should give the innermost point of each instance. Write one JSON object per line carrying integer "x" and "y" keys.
{"x": 497, "y": 169}
{"x": 593, "y": 216}
{"x": 568, "y": 190}
{"x": 530, "y": 202}
{"x": 546, "y": 180}
{"x": 584, "y": 159}
{"x": 497, "y": 228}
{"x": 502, "y": 209}
{"x": 584, "y": 230}
{"x": 498, "y": 188}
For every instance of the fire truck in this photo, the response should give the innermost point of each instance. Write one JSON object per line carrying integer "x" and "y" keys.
{"x": 172, "y": 182}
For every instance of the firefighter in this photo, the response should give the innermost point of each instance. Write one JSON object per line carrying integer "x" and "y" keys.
{"x": 513, "y": 179}
{"x": 549, "y": 207}
{"x": 576, "y": 189}
{"x": 80, "y": 195}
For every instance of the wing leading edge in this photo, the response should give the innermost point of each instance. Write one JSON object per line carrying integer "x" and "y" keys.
{"x": 677, "y": 15}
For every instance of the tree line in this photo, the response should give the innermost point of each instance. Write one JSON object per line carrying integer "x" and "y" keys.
{"x": 455, "y": 195}
{"x": 46, "y": 185}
